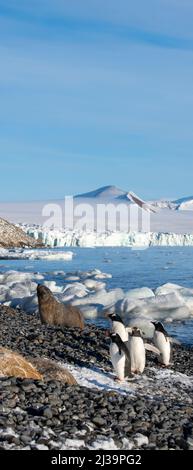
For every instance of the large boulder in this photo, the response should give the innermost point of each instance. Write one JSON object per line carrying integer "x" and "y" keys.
{"x": 51, "y": 370}
{"x": 13, "y": 364}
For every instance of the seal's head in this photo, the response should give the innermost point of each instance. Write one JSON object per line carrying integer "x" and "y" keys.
{"x": 43, "y": 292}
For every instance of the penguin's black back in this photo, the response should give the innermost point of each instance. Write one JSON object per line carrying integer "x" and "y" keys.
{"x": 121, "y": 345}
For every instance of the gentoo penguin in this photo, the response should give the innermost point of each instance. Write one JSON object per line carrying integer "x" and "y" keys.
{"x": 118, "y": 353}
{"x": 118, "y": 326}
{"x": 162, "y": 342}
{"x": 137, "y": 351}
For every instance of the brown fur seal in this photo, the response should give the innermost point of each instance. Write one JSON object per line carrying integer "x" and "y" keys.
{"x": 56, "y": 313}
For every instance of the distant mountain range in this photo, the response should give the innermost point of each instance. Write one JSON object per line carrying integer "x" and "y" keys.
{"x": 112, "y": 193}
{"x": 174, "y": 215}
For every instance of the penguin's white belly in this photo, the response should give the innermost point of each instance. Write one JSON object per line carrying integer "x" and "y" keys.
{"x": 137, "y": 354}
{"x": 120, "y": 329}
{"x": 163, "y": 344}
{"x": 118, "y": 361}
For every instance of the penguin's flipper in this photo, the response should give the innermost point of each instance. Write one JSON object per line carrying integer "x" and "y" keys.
{"x": 124, "y": 347}
{"x": 174, "y": 341}
{"x": 128, "y": 368}
{"x": 150, "y": 347}
{"x": 171, "y": 356}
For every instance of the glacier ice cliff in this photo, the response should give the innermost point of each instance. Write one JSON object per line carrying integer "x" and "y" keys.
{"x": 61, "y": 238}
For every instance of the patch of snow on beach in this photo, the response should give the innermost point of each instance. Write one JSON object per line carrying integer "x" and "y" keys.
{"x": 8, "y": 432}
{"x": 109, "y": 444}
{"x": 104, "y": 443}
{"x": 72, "y": 444}
{"x": 161, "y": 381}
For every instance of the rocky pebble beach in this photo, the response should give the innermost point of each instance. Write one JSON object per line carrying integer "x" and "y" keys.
{"x": 39, "y": 414}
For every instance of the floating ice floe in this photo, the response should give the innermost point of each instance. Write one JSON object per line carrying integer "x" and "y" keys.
{"x": 35, "y": 254}
{"x": 19, "y": 289}
{"x": 170, "y": 302}
{"x": 92, "y": 284}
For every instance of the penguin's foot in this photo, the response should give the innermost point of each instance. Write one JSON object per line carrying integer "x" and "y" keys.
{"x": 119, "y": 380}
{"x": 130, "y": 377}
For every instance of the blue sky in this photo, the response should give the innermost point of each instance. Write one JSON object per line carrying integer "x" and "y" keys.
{"x": 95, "y": 93}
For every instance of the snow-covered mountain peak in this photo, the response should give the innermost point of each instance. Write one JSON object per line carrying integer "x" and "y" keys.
{"x": 105, "y": 192}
